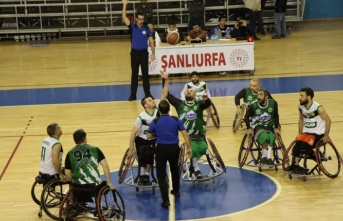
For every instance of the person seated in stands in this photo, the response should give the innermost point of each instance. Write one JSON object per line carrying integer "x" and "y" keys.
{"x": 155, "y": 35}
{"x": 172, "y": 28}
{"x": 223, "y": 28}
{"x": 197, "y": 33}
{"x": 242, "y": 30}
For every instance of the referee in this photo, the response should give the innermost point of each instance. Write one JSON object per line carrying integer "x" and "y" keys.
{"x": 139, "y": 52}
{"x": 166, "y": 129}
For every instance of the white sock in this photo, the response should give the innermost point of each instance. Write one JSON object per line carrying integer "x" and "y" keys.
{"x": 195, "y": 163}
{"x": 269, "y": 151}
{"x": 142, "y": 171}
{"x": 264, "y": 153}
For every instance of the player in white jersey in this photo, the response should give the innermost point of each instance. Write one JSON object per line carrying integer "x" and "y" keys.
{"x": 314, "y": 124}
{"x": 51, "y": 154}
{"x": 199, "y": 86}
{"x": 138, "y": 138}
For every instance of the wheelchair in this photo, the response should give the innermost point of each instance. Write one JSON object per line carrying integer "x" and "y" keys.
{"x": 213, "y": 158}
{"x": 238, "y": 120}
{"x": 212, "y": 113}
{"x": 130, "y": 165}
{"x": 44, "y": 186}
{"x": 92, "y": 202}
{"x": 326, "y": 160}
{"x": 249, "y": 146}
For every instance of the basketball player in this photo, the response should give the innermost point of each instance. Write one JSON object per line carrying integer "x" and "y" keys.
{"x": 138, "y": 138}
{"x": 51, "y": 154}
{"x": 314, "y": 124}
{"x": 199, "y": 86}
{"x": 190, "y": 112}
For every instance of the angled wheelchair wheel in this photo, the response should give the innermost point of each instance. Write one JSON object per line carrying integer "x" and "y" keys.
{"x": 287, "y": 157}
{"x": 181, "y": 160}
{"x": 36, "y": 192}
{"x": 328, "y": 159}
{"x": 52, "y": 196}
{"x": 124, "y": 167}
{"x": 244, "y": 150}
{"x": 216, "y": 154}
{"x": 110, "y": 205}
{"x": 280, "y": 149}
{"x": 67, "y": 207}
{"x": 213, "y": 113}
{"x": 238, "y": 119}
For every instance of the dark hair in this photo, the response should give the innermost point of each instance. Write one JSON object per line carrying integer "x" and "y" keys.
{"x": 79, "y": 136}
{"x": 193, "y": 73}
{"x": 164, "y": 107}
{"x": 222, "y": 17}
{"x": 308, "y": 91}
{"x": 195, "y": 24}
{"x": 172, "y": 23}
{"x": 139, "y": 14}
{"x": 51, "y": 129}
{"x": 265, "y": 92}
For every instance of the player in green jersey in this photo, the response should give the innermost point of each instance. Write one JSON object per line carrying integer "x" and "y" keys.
{"x": 264, "y": 116}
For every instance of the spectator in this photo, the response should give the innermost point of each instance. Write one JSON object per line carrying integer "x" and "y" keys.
{"x": 223, "y": 28}
{"x": 255, "y": 14}
{"x": 155, "y": 36}
{"x": 146, "y": 10}
{"x": 172, "y": 28}
{"x": 197, "y": 33}
{"x": 196, "y": 11}
{"x": 241, "y": 30}
{"x": 280, "y": 19}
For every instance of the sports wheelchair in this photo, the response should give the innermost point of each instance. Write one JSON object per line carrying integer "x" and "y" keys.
{"x": 212, "y": 113}
{"x": 48, "y": 192}
{"x": 238, "y": 120}
{"x": 249, "y": 146}
{"x": 130, "y": 164}
{"x": 326, "y": 160}
{"x": 186, "y": 170}
{"x": 92, "y": 202}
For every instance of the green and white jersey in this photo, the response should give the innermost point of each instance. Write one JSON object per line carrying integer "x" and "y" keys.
{"x": 46, "y": 164}
{"x": 191, "y": 116}
{"x": 83, "y": 160}
{"x": 143, "y": 122}
{"x": 263, "y": 116}
{"x": 313, "y": 123}
{"x": 249, "y": 96}
{"x": 200, "y": 89}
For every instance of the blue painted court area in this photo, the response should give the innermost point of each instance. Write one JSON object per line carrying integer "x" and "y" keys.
{"x": 122, "y": 92}
{"x": 234, "y": 191}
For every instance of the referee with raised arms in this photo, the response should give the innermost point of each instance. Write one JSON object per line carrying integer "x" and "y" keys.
{"x": 165, "y": 129}
{"x": 139, "y": 52}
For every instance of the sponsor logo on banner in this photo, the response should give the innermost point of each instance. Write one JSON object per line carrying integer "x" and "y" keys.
{"x": 239, "y": 58}
{"x": 193, "y": 60}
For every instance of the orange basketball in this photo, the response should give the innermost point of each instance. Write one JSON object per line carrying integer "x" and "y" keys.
{"x": 173, "y": 38}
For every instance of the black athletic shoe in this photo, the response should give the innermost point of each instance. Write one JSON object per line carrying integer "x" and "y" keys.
{"x": 198, "y": 174}
{"x": 165, "y": 204}
{"x": 176, "y": 194}
{"x": 132, "y": 98}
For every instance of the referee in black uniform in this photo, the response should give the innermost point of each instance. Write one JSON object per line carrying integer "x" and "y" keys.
{"x": 165, "y": 129}
{"x": 139, "y": 52}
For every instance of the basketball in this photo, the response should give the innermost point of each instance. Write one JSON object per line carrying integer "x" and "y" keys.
{"x": 173, "y": 38}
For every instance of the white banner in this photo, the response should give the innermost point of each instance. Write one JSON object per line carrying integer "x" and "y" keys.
{"x": 203, "y": 58}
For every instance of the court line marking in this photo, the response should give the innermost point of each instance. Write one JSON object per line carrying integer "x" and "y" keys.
{"x": 15, "y": 149}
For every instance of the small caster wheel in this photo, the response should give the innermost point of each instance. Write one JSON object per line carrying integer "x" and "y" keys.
{"x": 40, "y": 214}
{"x": 153, "y": 189}
{"x": 137, "y": 189}
{"x": 304, "y": 178}
{"x": 213, "y": 181}
{"x": 260, "y": 169}
{"x": 276, "y": 168}
{"x": 290, "y": 176}
{"x": 193, "y": 185}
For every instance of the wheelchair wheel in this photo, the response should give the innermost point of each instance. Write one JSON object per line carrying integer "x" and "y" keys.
{"x": 52, "y": 196}
{"x": 287, "y": 157}
{"x": 66, "y": 209}
{"x": 217, "y": 155}
{"x": 124, "y": 167}
{"x": 213, "y": 113}
{"x": 237, "y": 121}
{"x": 280, "y": 149}
{"x": 328, "y": 159}
{"x": 110, "y": 205}
{"x": 36, "y": 192}
{"x": 244, "y": 150}
{"x": 182, "y": 157}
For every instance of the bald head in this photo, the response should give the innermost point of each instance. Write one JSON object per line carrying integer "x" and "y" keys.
{"x": 254, "y": 85}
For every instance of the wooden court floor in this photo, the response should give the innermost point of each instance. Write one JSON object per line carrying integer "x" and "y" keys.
{"x": 314, "y": 48}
